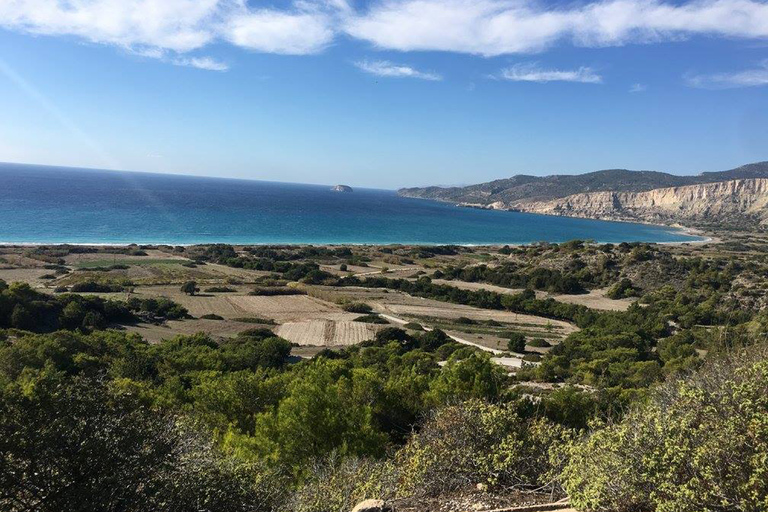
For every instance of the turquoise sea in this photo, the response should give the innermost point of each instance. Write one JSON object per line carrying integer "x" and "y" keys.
{"x": 56, "y": 205}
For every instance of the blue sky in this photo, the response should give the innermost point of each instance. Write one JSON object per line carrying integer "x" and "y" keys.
{"x": 384, "y": 93}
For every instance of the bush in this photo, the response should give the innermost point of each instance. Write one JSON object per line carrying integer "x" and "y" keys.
{"x": 276, "y": 290}
{"x": 79, "y": 445}
{"x": 539, "y": 343}
{"x": 212, "y": 316}
{"x": 413, "y": 326}
{"x": 622, "y": 290}
{"x": 357, "y": 307}
{"x": 254, "y": 320}
{"x": 190, "y": 288}
{"x": 516, "y": 342}
{"x": 220, "y": 289}
{"x": 96, "y": 287}
{"x": 338, "y": 484}
{"x": 698, "y": 444}
{"x": 371, "y": 319}
{"x": 475, "y": 442}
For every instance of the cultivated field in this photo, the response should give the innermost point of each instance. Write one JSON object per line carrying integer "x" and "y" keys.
{"x": 329, "y": 333}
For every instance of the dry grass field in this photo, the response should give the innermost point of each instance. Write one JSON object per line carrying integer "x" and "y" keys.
{"x": 329, "y": 333}
{"x": 310, "y": 322}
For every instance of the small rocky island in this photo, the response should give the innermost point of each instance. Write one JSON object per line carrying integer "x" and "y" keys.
{"x": 342, "y": 188}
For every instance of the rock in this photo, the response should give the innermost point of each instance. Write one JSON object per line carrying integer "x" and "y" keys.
{"x": 342, "y": 188}
{"x": 372, "y": 506}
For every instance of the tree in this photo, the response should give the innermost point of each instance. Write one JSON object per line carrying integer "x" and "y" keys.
{"x": 190, "y": 288}
{"x": 74, "y": 444}
{"x": 516, "y": 342}
{"x": 21, "y": 318}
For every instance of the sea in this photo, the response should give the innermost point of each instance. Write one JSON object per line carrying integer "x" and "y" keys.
{"x": 46, "y": 205}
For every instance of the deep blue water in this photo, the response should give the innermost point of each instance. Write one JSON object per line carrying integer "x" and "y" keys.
{"x": 55, "y": 205}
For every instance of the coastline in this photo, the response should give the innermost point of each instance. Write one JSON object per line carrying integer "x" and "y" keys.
{"x": 686, "y": 230}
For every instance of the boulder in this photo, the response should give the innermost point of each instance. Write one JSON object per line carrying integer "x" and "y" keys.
{"x": 372, "y": 506}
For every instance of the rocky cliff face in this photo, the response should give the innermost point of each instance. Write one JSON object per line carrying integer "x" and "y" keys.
{"x": 743, "y": 199}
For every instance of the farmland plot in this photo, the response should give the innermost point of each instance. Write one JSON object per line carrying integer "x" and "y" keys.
{"x": 328, "y": 333}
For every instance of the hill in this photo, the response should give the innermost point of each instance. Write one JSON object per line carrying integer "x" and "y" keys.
{"x": 622, "y": 194}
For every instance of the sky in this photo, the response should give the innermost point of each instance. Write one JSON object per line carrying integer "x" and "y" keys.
{"x": 384, "y": 93}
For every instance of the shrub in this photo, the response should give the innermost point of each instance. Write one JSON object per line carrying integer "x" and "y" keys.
{"x": 698, "y": 444}
{"x": 212, "y": 316}
{"x": 220, "y": 289}
{"x": 475, "y": 442}
{"x": 338, "y": 484}
{"x": 190, "y": 288}
{"x": 623, "y": 289}
{"x": 432, "y": 340}
{"x": 357, "y": 307}
{"x": 413, "y": 326}
{"x": 539, "y": 343}
{"x": 96, "y": 287}
{"x": 79, "y": 445}
{"x": 254, "y": 320}
{"x": 276, "y": 290}
{"x": 516, "y": 342}
{"x": 371, "y": 319}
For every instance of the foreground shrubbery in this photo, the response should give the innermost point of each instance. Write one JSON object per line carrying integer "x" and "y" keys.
{"x": 196, "y": 424}
{"x": 697, "y": 444}
{"x": 78, "y": 444}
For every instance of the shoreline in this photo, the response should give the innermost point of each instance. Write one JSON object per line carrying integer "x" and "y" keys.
{"x": 701, "y": 237}
{"x": 687, "y": 230}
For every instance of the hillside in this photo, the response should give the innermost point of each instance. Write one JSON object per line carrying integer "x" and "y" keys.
{"x": 734, "y": 196}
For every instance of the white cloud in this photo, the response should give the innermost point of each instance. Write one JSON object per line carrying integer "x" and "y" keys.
{"x": 496, "y": 27}
{"x": 169, "y": 28}
{"x": 206, "y": 63}
{"x": 638, "y": 88}
{"x": 278, "y": 32}
{"x": 155, "y": 27}
{"x": 748, "y": 78}
{"x": 534, "y": 73}
{"x": 386, "y": 68}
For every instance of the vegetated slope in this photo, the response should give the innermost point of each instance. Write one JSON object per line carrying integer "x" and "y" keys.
{"x": 621, "y": 194}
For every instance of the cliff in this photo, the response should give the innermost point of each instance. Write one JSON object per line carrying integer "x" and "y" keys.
{"x": 726, "y": 201}
{"x": 735, "y": 197}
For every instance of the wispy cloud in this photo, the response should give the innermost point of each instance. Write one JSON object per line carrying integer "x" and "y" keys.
{"x": 389, "y": 69}
{"x": 206, "y": 63}
{"x": 638, "y": 88}
{"x": 535, "y": 73}
{"x": 155, "y": 27}
{"x": 497, "y": 27}
{"x": 747, "y": 78}
{"x": 299, "y": 27}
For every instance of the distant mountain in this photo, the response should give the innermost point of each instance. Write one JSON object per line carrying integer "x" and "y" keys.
{"x": 560, "y": 185}
{"x": 622, "y": 194}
